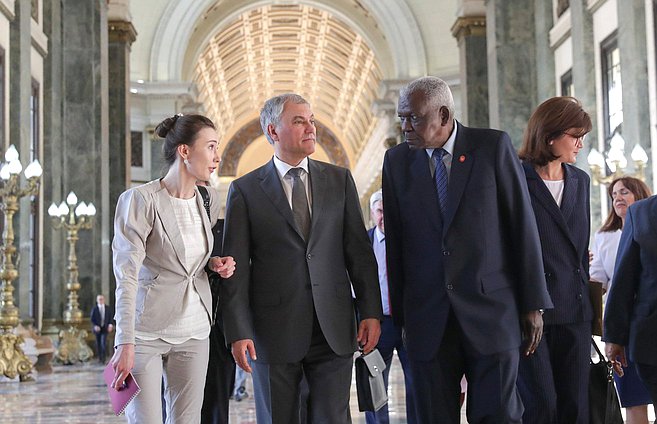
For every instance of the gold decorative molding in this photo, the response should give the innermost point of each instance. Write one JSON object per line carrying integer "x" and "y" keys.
{"x": 122, "y": 32}
{"x": 469, "y": 25}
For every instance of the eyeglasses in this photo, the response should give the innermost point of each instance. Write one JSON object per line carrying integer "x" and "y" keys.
{"x": 576, "y": 138}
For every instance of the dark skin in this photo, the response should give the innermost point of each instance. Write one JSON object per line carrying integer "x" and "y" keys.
{"x": 426, "y": 125}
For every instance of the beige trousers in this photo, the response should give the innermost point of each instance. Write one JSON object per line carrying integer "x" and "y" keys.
{"x": 183, "y": 367}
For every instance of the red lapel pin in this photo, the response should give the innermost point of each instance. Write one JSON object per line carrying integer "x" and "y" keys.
{"x": 462, "y": 158}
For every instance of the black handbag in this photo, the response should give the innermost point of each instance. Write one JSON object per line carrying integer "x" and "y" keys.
{"x": 604, "y": 407}
{"x": 370, "y": 387}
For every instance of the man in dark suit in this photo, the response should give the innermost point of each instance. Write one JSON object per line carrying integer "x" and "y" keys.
{"x": 102, "y": 317}
{"x": 631, "y": 310}
{"x": 464, "y": 259}
{"x": 391, "y": 334}
{"x": 296, "y": 227}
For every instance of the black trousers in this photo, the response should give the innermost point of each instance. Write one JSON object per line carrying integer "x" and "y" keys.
{"x": 277, "y": 386}
{"x": 492, "y": 393}
{"x": 554, "y": 381}
{"x": 218, "y": 381}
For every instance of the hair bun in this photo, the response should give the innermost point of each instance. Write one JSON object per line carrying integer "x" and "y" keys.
{"x": 167, "y": 125}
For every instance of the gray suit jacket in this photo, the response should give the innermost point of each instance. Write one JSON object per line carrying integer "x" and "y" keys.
{"x": 149, "y": 253}
{"x": 280, "y": 278}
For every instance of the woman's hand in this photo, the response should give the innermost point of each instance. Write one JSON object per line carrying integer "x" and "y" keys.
{"x": 224, "y": 266}
{"x": 122, "y": 361}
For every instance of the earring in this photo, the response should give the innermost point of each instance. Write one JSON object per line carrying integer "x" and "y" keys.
{"x": 551, "y": 143}
{"x": 186, "y": 162}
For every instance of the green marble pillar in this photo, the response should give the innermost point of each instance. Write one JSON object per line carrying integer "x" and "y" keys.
{"x": 512, "y": 75}
{"x": 470, "y": 31}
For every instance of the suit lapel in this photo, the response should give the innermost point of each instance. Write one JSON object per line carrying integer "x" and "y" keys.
{"x": 271, "y": 185}
{"x": 543, "y": 196}
{"x": 318, "y": 185}
{"x": 462, "y": 161}
{"x": 170, "y": 225}
{"x": 420, "y": 179}
{"x": 569, "y": 192}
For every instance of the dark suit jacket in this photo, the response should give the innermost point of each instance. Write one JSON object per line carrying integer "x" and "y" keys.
{"x": 280, "y": 278}
{"x": 483, "y": 262}
{"x": 564, "y": 232}
{"x": 631, "y": 310}
{"x": 109, "y": 317}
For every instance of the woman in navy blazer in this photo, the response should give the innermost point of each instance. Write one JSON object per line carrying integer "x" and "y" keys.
{"x": 553, "y": 383}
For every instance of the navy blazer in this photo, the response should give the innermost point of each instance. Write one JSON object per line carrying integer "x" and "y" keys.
{"x": 483, "y": 262}
{"x": 631, "y": 310}
{"x": 564, "y": 232}
{"x": 109, "y": 317}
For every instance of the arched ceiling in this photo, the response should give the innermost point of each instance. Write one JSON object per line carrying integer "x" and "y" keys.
{"x": 280, "y": 48}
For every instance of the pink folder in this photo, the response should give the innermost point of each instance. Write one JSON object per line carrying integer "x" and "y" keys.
{"x": 120, "y": 398}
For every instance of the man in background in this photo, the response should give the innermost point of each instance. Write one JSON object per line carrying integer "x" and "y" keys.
{"x": 391, "y": 334}
{"x": 102, "y": 316}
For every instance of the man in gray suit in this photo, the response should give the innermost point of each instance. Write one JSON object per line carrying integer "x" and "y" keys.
{"x": 297, "y": 223}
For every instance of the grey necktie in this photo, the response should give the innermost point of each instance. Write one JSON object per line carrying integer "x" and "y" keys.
{"x": 300, "y": 202}
{"x": 102, "y": 314}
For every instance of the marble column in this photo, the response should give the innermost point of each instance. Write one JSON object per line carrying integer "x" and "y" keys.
{"x": 545, "y": 79}
{"x": 584, "y": 77}
{"x": 121, "y": 35}
{"x": 85, "y": 137}
{"x": 54, "y": 255}
{"x": 634, "y": 76}
{"x": 20, "y": 90}
{"x": 512, "y": 73}
{"x": 470, "y": 31}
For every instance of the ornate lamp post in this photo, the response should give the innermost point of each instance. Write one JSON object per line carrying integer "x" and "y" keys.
{"x": 72, "y": 345}
{"x": 616, "y": 161}
{"x": 13, "y": 361}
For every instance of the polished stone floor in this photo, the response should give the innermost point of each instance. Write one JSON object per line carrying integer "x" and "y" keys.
{"x": 76, "y": 394}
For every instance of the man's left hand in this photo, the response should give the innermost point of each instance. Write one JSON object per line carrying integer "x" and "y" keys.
{"x": 369, "y": 331}
{"x": 532, "y": 330}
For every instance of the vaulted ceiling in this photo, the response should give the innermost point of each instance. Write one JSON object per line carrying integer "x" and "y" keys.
{"x": 274, "y": 49}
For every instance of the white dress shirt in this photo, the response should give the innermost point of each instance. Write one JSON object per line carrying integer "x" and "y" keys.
{"x": 379, "y": 246}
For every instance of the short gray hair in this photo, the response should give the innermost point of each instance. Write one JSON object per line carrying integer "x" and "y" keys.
{"x": 435, "y": 90}
{"x": 377, "y": 196}
{"x": 273, "y": 109}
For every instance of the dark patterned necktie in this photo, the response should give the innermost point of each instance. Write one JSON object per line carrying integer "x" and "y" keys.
{"x": 440, "y": 178}
{"x": 300, "y": 202}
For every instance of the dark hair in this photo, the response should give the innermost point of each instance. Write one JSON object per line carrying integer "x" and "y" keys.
{"x": 551, "y": 120}
{"x": 180, "y": 129}
{"x": 640, "y": 191}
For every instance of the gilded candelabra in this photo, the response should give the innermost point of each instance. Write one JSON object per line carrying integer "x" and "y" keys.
{"x": 616, "y": 162}
{"x": 72, "y": 340}
{"x": 13, "y": 361}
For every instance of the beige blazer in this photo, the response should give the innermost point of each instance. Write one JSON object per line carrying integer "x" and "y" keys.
{"x": 149, "y": 253}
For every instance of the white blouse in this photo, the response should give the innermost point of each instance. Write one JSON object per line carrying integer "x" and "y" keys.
{"x": 605, "y": 247}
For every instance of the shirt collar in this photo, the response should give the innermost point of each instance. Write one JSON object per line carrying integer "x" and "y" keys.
{"x": 449, "y": 144}
{"x": 282, "y": 167}
{"x": 379, "y": 235}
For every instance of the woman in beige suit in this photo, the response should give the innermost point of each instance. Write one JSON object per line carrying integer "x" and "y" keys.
{"x": 162, "y": 243}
